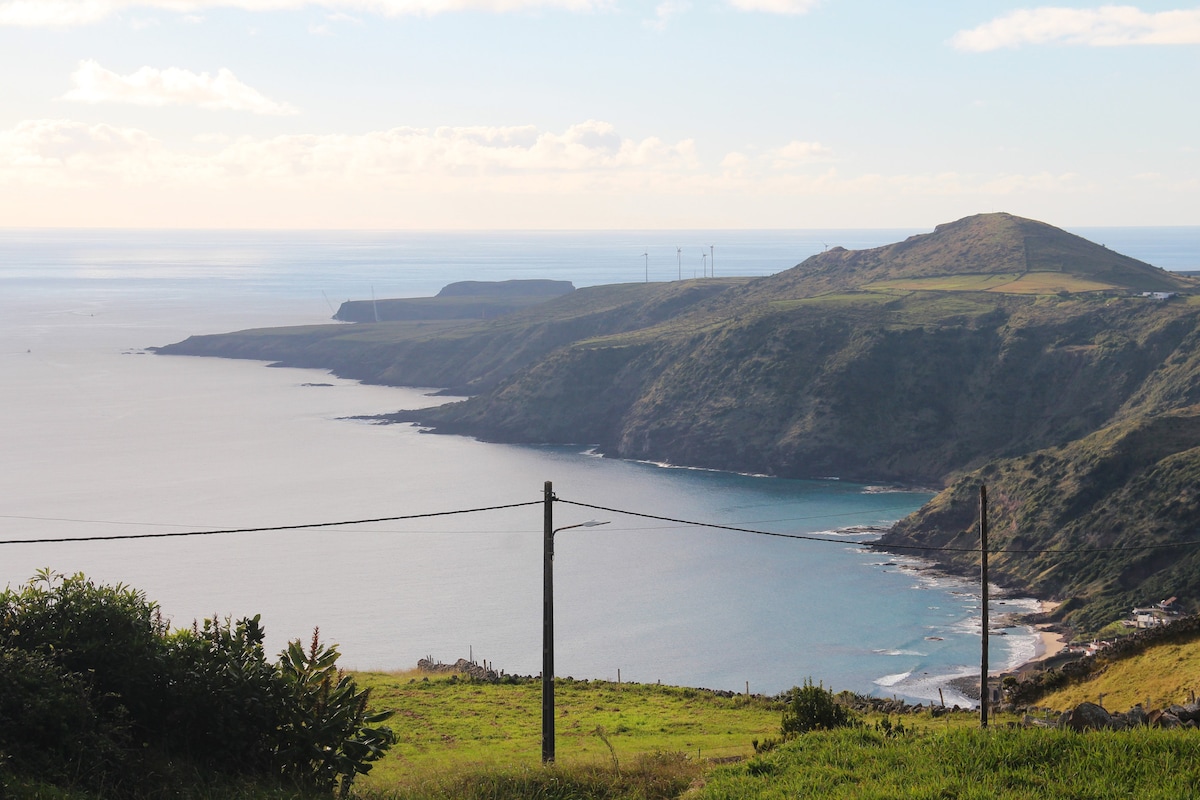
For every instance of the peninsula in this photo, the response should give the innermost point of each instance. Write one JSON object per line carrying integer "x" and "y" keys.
{"x": 995, "y": 350}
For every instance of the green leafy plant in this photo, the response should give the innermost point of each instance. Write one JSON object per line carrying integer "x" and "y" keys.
{"x": 327, "y": 737}
{"x": 813, "y": 708}
{"x": 97, "y": 693}
{"x": 227, "y": 699}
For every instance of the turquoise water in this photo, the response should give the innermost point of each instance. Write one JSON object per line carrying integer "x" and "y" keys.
{"x": 104, "y": 439}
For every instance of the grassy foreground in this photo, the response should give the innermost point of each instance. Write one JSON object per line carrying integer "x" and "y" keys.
{"x": 471, "y": 741}
{"x": 967, "y": 764}
{"x": 445, "y": 724}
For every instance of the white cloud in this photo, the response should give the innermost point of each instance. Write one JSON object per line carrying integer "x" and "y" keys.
{"x": 172, "y": 86}
{"x": 1106, "y": 26}
{"x": 796, "y": 153}
{"x": 775, "y": 6}
{"x": 61, "y": 172}
{"x": 766, "y": 166}
{"x": 520, "y": 156}
{"x": 667, "y": 10}
{"x": 65, "y": 153}
{"x": 54, "y": 12}
{"x": 83, "y": 12}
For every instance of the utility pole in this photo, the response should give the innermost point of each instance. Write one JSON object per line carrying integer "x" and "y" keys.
{"x": 548, "y": 531}
{"x": 983, "y": 577}
{"x": 548, "y": 625}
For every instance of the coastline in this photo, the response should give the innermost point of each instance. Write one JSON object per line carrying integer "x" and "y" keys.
{"x": 1049, "y": 642}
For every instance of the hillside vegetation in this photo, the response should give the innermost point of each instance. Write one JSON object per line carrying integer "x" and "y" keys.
{"x": 995, "y": 349}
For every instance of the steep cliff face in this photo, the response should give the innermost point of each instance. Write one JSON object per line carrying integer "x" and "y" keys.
{"x": 1071, "y": 522}
{"x": 894, "y": 391}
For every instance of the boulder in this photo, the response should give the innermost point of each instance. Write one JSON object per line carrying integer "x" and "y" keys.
{"x": 1088, "y": 716}
{"x": 1189, "y": 712}
{"x": 1164, "y": 719}
{"x": 1136, "y": 716}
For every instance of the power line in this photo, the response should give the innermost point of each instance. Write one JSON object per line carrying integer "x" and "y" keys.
{"x": 266, "y": 528}
{"x": 673, "y": 520}
{"x": 879, "y": 545}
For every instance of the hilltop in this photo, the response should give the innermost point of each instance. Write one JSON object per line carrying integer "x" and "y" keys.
{"x": 994, "y": 349}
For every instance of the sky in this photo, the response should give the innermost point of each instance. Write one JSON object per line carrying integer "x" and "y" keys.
{"x": 595, "y": 114}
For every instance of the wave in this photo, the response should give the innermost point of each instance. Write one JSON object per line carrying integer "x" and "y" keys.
{"x": 892, "y": 680}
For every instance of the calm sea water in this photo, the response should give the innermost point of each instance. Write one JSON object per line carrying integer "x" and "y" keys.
{"x": 101, "y": 438}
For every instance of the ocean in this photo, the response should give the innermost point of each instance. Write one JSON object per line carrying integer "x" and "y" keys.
{"x": 101, "y": 438}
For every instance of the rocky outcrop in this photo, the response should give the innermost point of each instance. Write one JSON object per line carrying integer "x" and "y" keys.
{"x": 471, "y": 669}
{"x": 1092, "y": 717}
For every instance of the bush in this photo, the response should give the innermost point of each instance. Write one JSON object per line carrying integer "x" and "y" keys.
{"x": 47, "y": 722}
{"x": 227, "y": 700}
{"x": 327, "y": 737}
{"x": 95, "y": 692}
{"x": 111, "y": 634}
{"x": 813, "y": 708}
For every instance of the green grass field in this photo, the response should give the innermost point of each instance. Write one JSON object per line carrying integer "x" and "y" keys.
{"x": 447, "y": 725}
{"x": 1165, "y": 674}
{"x": 461, "y": 740}
{"x": 967, "y": 765}
{"x": 1010, "y": 283}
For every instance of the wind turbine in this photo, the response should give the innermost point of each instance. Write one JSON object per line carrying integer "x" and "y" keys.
{"x": 712, "y": 260}
{"x": 704, "y": 262}
{"x": 647, "y": 256}
{"x": 679, "y": 255}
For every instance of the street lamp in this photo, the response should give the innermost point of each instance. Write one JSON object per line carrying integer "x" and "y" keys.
{"x": 548, "y": 619}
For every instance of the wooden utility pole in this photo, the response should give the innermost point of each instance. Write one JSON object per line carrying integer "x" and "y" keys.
{"x": 548, "y": 626}
{"x": 983, "y": 577}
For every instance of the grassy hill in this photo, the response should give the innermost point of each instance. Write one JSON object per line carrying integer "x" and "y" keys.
{"x": 994, "y": 349}
{"x": 1165, "y": 674}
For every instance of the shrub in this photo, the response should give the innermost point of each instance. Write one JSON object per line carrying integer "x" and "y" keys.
{"x": 227, "y": 700}
{"x": 47, "y": 722}
{"x": 813, "y": 708}
{"x": 95, "y": 692}
{"x": 111, "y": 634}
{"x": 327, "y": 737}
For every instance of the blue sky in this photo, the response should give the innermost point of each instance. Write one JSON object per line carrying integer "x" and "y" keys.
{"x": 479, "y": 114}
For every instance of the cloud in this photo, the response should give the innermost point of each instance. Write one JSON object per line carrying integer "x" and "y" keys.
{"x": 796, "y": 153}
{"x": 775, "y": 6}
{"x": 1107, "y": 26}
{"x": 172, "y": 86}
{"x": 518, "y": 156}
{"x": 766, "y": 166}
{"x": 63, "y": 153}
{"x": 667, "y": 10}
{"x": 33, "y": 13}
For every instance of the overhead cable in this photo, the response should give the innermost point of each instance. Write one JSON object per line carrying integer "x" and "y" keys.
{"x": 878, "y": 545}
{"x": 265, "y": 529}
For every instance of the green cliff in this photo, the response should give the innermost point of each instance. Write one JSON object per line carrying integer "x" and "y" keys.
{"x": 995, "y": 349}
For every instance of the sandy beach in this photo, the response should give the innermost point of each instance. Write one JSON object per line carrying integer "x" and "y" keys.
{"x": 1050, "y": 643}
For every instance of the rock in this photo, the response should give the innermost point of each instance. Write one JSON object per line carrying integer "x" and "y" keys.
{"x": 1028, "y": 721}
{"x": 1186, "y": 713}
{"x": 1164, "y": 719}
{"x": 1136, "y": 716}
{"x": 1088, "y": 716}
